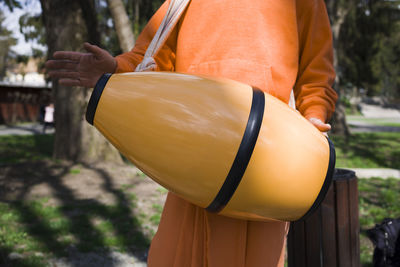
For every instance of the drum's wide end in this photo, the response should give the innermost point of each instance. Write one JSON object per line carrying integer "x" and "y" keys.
{"x": 327, "y": 183}
{"x": 95, "y": 97}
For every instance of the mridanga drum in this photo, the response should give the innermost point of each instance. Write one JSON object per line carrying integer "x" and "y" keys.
{"x": 220, "y": 144}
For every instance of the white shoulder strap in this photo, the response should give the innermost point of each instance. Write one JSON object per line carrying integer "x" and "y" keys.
{"x": 292, "y": 100}
{"x": 171, "y": 18}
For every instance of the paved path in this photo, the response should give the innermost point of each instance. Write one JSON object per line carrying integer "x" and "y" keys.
{"x": 367, "y": 127}
{"x": 376, "y": 111}
{"x": 383, "y": 115}
{"x": 24, "y": 129}
{"x": 373, "y": 116}
{"x": 382, "y": 173}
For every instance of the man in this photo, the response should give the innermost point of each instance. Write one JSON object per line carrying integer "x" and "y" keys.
{"x": 273, "y": 45}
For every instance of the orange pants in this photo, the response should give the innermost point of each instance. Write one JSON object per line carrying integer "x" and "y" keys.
{"x": 189, "y": 236}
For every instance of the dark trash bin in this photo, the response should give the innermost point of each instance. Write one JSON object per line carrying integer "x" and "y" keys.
{"x": 330, "y": 236}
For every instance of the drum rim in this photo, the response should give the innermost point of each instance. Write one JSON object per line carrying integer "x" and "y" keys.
{"x": 327, "y": 182}
{"x": 95, "y": 97}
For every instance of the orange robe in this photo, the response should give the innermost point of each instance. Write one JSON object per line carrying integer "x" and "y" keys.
{"x": 273, "y": 45}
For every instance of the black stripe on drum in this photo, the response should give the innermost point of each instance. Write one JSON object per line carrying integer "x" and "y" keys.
{"x": 95, "y": 97}
{"x": 243, "y": 155}
{"x": 327, "y": 182}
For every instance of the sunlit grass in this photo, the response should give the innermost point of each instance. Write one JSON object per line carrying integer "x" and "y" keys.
{"x": 372, "y": 121}
{"x": 368, "y": 150}
{"x": 378, "y": 199}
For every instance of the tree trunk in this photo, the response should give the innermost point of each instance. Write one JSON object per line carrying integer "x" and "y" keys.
{"x": 338, "y": 11}
{"x": 121, "y": 24}
{"x": 338, "y": 122}
{"x": 136, "y": 12}
{"x": 90, "y": 17}
{"x": 75, "y": 139}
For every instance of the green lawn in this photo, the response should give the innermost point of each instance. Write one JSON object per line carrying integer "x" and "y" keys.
{"x": 17, "y": 148}
{"x": 362, "y": 150}
{"x": 378, "y": 199}
{"x": 372, "y": 121}
{"x": 368, "y": 150}
{"x": 39, "y": 231}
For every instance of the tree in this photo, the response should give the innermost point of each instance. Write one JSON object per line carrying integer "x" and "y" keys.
{"x": 140, "y": 11}
{"x": 385, "y": 65}
{"x": 11, "y": 4}
{"x": 66, "y": 24}
{"x": 338, "y": 10}
{"x": 122, "y": 25}
{"x": 129, "y": 18}
{"x": 6, "y": 41}
{"x": 369, "y": 42}
{"x": 365, "y": 37}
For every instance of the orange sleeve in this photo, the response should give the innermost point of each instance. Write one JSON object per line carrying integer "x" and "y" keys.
{"x": 313, "y": 90}
{"x": 165, "y": 58}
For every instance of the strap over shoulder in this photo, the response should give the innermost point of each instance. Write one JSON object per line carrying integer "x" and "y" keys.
{"x": 174, "y": 12}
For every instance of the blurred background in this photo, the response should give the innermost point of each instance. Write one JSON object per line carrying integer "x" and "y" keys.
{"x": 67, "y": 198}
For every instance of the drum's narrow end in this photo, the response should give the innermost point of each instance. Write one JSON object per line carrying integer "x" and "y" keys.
{"x": 95, "y": 97}
{"x": 327, "y": 182}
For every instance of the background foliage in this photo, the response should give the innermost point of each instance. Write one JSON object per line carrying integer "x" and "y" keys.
{"x": 368, "y": 50}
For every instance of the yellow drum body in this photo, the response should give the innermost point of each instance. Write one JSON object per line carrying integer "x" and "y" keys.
{"x": 217, "y": 143}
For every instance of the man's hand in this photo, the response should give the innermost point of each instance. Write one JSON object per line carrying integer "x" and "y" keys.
{"x": 81, "y": 69}
{"x": 323, "y": 127}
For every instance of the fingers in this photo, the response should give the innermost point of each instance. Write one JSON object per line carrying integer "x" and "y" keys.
{"x": 75, "y": 81}
{"x": 323, "y": 127}
{"x": 69, "y": 82}
{"x": 85, "y": 82}
{"x": 68, "y": 78}
{"x": 61, "y": 64}
{"x": 94, "y": 49}
{"x": 64, "y": 74}
{"x": 67, "y": 55}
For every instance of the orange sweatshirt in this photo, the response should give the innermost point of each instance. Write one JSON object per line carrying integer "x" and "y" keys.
{"x": 275, "y": 45}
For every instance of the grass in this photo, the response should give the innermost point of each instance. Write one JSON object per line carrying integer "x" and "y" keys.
{"x": 14, "y": 148}
{"x": 378, "y": 199}
{"x": 155, "y": 219}
{"x": 75, "y": 171}
{"x": 362, "y": 150}
{"x": 391, "y": 124}
{"x": 368, "y": 150}
{"x": 351, "y": 111}
{"x": 39, "y": 231}
{"x": 36, "y": 231}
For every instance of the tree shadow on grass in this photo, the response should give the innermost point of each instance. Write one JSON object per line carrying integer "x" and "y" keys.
{"x": 14, "y": 149}
{"x": 86, "y": 222}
